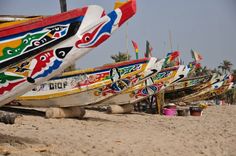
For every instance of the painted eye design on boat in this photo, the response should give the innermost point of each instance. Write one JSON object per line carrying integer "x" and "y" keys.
{"x": 9, "y": 52}
{"x": 86, "y": 38}
{"x": 43, "y": 58}
{"x": 57, "y": 28}
{"x": 62, "y": 53}
{"x": 25, "y": 41}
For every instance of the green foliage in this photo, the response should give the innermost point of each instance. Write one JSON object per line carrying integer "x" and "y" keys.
{"x": 234, "y": 72}
{"x": 120, "y": 57}
{"x": 216, "y": 71}
{"x": 229, "y": 96}
{"x": 225, "y": 66}
{"x": 202, "y": 71}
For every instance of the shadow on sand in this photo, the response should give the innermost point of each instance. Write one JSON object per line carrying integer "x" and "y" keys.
{"x": 16, "y": 141}
{"x": 94, "y": 119}
{"x": 23, "y": 111}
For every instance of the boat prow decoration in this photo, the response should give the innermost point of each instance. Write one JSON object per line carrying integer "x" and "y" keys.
{"x": 53, "y": 61}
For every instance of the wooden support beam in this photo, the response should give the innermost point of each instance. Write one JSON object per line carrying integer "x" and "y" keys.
{"x": 160, "y": 101}
{"x": 120, "y": 109}
{"x": 67, "y": 112}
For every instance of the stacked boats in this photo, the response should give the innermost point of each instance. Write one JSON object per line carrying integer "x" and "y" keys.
{"x": 35, "y": 50}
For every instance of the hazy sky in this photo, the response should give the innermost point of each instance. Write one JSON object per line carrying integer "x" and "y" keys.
{"x": 208, "y": 26}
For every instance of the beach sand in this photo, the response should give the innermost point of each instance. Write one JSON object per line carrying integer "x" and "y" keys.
{"x": 212, "y": 134}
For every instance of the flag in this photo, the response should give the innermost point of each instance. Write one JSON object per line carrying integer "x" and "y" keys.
{"x": 148, "y": 50}
{"x": 119, "y": 4}
{"x": 171, "y": 56}
{"x": 135, "y": 45}
{"x": 196, "y": 56}
{"x": 198, "y": 65}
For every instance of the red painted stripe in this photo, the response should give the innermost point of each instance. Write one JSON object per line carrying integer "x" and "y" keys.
{"x": 128, "y": 10}
{"x": 42, "y": 22}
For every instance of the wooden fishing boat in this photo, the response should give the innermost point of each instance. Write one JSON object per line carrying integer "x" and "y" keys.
{"x": 215, "y": 83}
{"x": 27, "y": 37}
{"x": 86, "y": 87}
{"x": 96, "y": 27}
{"x": 187, "y": 83}
{"x": 152, "y": 86}
{"x": 215, "y": 92}
{"x": 92, "y": 85}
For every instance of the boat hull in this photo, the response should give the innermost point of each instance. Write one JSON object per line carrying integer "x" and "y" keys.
{"x": 88, "y": 87}
{"x": 142, "y": 91}
{"x": 42, "y": 67}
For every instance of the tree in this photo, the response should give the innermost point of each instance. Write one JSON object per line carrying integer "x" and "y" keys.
{"x": 216, "y": 71}
{"x": 202, "y": 71}
{"x": 120, "y": 57}
{"x": 234, "y": 71}
{"x": 225, "y": 66}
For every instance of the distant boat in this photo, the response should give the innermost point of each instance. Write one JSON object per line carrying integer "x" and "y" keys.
{"x": 214, "y": 92}
{"x": 94, "y": 29}
{"x": 215, "y": 83}
{"x": 187, "y": 83}
{"x": 87, "y": 87}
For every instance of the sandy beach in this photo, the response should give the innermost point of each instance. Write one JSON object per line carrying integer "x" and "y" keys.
{"x": 213, "y": 134}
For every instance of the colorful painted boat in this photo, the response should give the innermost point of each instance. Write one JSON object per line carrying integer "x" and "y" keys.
{"x": 155, "y": 84}
{"x": 24, "y": 39}
{"x": 86, "y": 89}
{"x": 216, "y": 82}
{"x": 27, "y": 75}
{"x": 215, "y": 92}
{"x": 89, "y": 86}
{"x": 187, "y": 83}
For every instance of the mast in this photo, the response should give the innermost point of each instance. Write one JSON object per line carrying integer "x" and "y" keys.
{"x": 126, "y": 40}
{"x": 63, "y": 6}
{"x": 170, "y": 39}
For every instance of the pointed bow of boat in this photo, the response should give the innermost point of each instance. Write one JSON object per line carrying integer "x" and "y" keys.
{"x": 128, "y": 10}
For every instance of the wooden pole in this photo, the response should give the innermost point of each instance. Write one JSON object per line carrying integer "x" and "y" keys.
{"x": 63, "y": 5}
{"x": 160, "y": 102}
{"x": 170, "y": 38}
{"x": 126, "y": 40}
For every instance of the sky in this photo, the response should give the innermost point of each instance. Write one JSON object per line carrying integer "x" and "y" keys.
{"x": 207, "y": 26}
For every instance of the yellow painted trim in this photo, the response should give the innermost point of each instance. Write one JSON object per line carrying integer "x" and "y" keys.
{"x": 6, "y": 24}
{"x": 64, "y": 93}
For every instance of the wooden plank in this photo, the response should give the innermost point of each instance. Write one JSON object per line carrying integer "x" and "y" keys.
{"x": 160, "y": 102}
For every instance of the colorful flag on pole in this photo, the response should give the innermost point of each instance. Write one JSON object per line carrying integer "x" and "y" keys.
{"x": 196, "y": 56}
{"x": 171, "y": 56}
{"x": 135, "y": 45}
{"x": 148, "y": 50}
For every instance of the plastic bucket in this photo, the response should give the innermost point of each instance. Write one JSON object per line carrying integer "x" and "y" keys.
{"x": 195, "y": 111}
{"x": 183, "y": 112}
{"x": 169, "y": 112}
